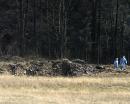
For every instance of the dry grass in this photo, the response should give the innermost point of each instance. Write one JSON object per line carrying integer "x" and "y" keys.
{"x": 59, "y": 90}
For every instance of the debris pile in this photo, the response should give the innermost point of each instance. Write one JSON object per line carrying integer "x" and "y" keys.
{"x": 16, "y": 69}
{"x": 66, "y": 67}
{"x": 39, "y": 68}
{"x": 63, "y": 67}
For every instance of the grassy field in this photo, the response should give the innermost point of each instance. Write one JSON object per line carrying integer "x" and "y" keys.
{"x": 59, "y": 90}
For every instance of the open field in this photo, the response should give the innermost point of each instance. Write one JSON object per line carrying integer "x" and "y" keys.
{"x": 59, "y": 90}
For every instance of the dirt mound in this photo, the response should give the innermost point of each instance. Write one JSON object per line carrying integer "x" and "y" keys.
{"x": 63, "y": 67}
{"x": 16, "y": 69}
{"x": 71, "y": 68}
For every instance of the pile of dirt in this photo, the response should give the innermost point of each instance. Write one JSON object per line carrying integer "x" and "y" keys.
{"x": 64, "y": 67}
{"x": 32, "y": 68}
{"x": 39, "y": 68}
{"x": 16, "y": 69}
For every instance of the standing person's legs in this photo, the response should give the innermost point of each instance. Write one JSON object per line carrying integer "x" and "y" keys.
{"x": 124, "y": 67}
{"x": 116, "y": 68}
{"x": 121, "y": 67}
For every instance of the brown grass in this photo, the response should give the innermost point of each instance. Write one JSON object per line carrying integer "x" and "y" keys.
{"x": 59, "y": 90}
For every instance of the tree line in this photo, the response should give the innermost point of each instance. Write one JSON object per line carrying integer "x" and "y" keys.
{"x": 93, "y": 30}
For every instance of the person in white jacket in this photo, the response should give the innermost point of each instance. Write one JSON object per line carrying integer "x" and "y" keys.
{"x": 116, "y": 64}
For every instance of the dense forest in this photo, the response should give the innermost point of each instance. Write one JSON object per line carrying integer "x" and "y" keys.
{"x": 93, "y": 30}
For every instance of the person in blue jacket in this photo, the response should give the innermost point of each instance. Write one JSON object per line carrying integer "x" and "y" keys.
{"x": 123, "y": 63}
{"x": 116, "y": 65}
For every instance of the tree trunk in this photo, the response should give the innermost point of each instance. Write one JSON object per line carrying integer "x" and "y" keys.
{"x": 21, "y": 27}
{"x": 116, "y": 27}
{"x": 99, "y": 33}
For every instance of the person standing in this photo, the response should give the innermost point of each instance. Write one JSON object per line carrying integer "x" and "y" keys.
{"x": 123, "y": 63}
{"x": 116, "y": 65}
